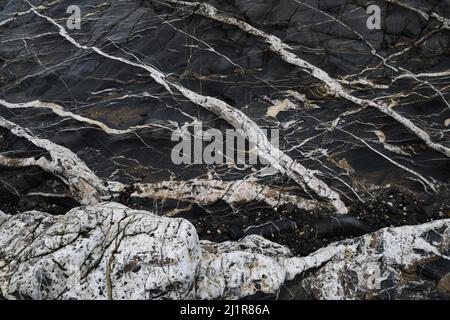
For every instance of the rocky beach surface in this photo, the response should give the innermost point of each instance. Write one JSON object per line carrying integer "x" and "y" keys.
{"x": 98, "y": 201}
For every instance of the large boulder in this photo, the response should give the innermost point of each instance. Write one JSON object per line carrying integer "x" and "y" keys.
{"x": 409, "y": 262}
{"x": 100, "y": 252}
{"x": 237, "y": 269}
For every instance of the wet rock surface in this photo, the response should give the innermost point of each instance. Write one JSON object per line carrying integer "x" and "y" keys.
{"x": 305, "y": 232}
{"x": 87, "y": 117}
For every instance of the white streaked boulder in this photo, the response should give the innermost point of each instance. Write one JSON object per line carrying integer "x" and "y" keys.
{"x": 393, "y": 263}
{"x": 100, "y": 252}
{"x": 233, "y": 270}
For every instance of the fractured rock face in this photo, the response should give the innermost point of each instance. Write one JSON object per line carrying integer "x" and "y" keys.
{"x": 106, "y": 251}
{"x": 94, "y": 113}
{"x": 409, "y": 262}
{"x": 232, "y": 270}
{"x": 109, "y": 251}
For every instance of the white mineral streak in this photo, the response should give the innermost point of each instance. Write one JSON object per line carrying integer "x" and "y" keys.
{"x": 427, "y": 16}
{"x": 239, "y": 120}
{"x": 421, "y": 178}
{"x": 275, "y": 157}
{"x": 15, "y": 15}
{"x": 109, "y": 251}
{"x": 205, "y": 192}
{"x": 279, "y": 106}
{"x": 334, "y": 87}
{"x": 389, "y": 147}
{"x": 59, "y": 110}
{"x": 89, "y": 189}
{"x": 84, "y": 185}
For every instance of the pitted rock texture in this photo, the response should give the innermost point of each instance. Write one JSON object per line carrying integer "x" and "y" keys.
{"x": 107, "y": 251}
{"x": 232, "y": 270}
{"x": 411, "y": 262}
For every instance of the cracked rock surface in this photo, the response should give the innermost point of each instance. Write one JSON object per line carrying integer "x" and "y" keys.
{"x": 112, "y": 252}
{"x": 93, "y": 204}
{"x": 107, "y": 251}
{"x": 411, "y": 262}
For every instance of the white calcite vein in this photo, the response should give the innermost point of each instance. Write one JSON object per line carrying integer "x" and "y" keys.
{"x": 60, "y": 111}
{"x": 239, "y": 120}
{"x": 334, "y": 88}
{"x": 85, "y": 186}
{"x": 427, "y": 16}
{"x": 203, "y": 192}
{"x": 420, "y": 177}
